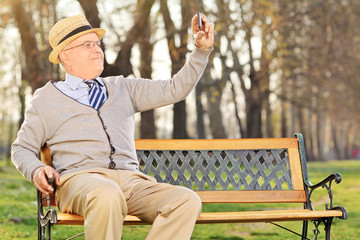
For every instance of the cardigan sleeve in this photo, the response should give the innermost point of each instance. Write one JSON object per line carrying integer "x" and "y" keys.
{"x": 25, "y": 149}
{"x": 148, "y": 94}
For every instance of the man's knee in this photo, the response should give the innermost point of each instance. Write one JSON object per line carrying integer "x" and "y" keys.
{"x": 193, "y": 201}
{"x": 108, "y": 199}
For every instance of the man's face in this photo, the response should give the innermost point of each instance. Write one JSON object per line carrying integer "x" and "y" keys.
{"x": 83, "y": 62}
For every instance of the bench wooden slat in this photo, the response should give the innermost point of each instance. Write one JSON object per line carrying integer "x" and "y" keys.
{"x": 295, "y": 168}
{"x": 238, "y": 197}
{"x": 266, "y": 216}
{"x": 45, "y": 155}
{"x": 215, "y": 144}
{"x": 271, "y": 196}
{"x": 226, "y": 217}
{"x": 73, "y": 219}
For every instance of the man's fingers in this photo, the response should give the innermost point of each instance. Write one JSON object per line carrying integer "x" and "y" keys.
{"x": 195, "y": 23}
{"x": 41, "y": 189}
{"x": 41, "y": 179}
{"x": 57, "y": 178}
{"x": 200, "y": 35}
{"x": 210, "y": 33}
{"x": 51, "y": 173}
{"x": 205, "y": 23}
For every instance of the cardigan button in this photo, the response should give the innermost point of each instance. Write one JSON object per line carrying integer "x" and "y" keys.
{"x": 112, "y": 165}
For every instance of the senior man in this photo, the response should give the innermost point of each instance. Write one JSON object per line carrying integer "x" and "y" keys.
{"x": 87, "y": 122}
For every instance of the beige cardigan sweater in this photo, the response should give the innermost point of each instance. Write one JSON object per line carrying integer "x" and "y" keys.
{"x": 79, "y": 137}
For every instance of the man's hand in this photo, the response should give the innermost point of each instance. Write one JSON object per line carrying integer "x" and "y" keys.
{"x": 204, "y": 37}
{"x": 40, "y": 179}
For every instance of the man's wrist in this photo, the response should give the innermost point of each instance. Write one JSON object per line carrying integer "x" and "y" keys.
{"x": 203, "y": 48}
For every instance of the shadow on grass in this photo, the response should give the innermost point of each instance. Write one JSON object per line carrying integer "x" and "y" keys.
{"x": 218, "y": 237}
{"x": 228, "y": 238}
{"x": 237, "y": 237}
{"x": 264, "y": 234}
{"x": 214, "y": 237}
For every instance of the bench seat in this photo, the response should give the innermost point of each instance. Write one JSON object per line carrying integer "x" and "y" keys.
{"x": 225, "y": 217}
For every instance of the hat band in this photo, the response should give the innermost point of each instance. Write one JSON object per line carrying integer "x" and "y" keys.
{"x": 76, "y": 31}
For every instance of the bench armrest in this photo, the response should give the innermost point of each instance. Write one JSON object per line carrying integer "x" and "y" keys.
{"x": 326, "y": 183}
{"x": 335, "y": 176}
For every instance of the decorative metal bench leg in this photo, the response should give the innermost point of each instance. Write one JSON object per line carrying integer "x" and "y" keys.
{"x": 49, "y": 231}
{"x": 316, "y": 229}
{"x": 44, "y": 232}
{"x": 44, "y": 226}
{"x": 327, "y": 223}
{"x": 305, "y": 230}
{"x": 39, "y": 229}
{"x": 45, "y": 220}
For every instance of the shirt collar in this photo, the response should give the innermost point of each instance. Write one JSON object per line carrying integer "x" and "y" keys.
{"x": 74, "y": 81}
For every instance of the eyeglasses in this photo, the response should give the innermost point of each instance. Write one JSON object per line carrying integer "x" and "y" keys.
{"x": 88, "y": 45}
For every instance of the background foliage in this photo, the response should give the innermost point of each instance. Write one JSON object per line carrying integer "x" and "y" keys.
{"x": 278, "y": 66}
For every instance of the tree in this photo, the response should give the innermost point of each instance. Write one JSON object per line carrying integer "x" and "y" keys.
{"x": 177, "y": 44}
{"x": 147, "y": 126}
{"x": 293, "y": 65}
{"x": 34, "y": 71}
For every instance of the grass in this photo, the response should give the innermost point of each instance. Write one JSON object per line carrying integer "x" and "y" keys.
{"x": 18, "y": 210}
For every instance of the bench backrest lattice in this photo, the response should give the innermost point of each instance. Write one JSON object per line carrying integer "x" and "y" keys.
{"x": 219, "y": 170}
{"x": 268, "y": 168}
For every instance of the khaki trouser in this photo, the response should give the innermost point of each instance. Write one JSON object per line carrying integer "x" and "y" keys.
{"x": 105, "y": 196}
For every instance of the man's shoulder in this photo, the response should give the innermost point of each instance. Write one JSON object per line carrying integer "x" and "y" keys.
{"x": 45, "y": 94}
{"x": 113, "y": 79}
{"x": 116, "y": 81}
{"x": 44, "y": 90}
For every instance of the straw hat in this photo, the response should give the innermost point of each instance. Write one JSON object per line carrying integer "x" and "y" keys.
{"x": 66, "y": 30}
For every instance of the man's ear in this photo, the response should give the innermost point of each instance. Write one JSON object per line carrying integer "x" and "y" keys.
{"x": 64, "y": 58}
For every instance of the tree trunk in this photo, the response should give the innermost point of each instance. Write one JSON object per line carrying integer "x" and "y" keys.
{"x": 215, "y": 115}
{"x": 9, "y": 143}
{"x": 269, "y": 124}
{"x": 320, "y": 125}
{"x": 91, "y": 12}
{"x": 21, "y": 95}
{"x": 122, "y": 64}
{"x": 283, "y": 120}
{"x": 236, "y": 109}
{"x": 200, "y": 124}
{"x": 334, "y": 137}
{"x": 34, "y": 70}
{"x": 309, "y": 136}
{"x": 253, "y": 120}
{"x": 147, "y": 125}
{"x": 178, "y": 57}
{"x": 253, "y": 109}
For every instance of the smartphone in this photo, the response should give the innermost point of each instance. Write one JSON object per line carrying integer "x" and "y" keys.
{"x": 199, "y": 20}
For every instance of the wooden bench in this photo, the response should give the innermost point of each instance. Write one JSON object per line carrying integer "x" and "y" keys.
{"x": 240, "y": 171}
